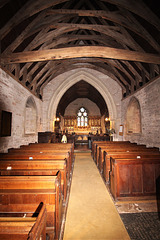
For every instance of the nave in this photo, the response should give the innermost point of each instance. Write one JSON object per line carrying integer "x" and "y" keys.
{"x": 91, "y": 213}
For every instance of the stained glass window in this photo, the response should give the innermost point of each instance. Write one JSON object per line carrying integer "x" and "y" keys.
{"x": 82, "y": 117}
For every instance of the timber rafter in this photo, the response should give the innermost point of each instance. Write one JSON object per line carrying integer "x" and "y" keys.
{"x": 119, "y": 38}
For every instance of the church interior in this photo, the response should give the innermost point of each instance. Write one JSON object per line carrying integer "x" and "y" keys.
{"x": 79, "y": 119}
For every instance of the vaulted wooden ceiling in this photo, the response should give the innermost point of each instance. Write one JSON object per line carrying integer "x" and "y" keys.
{"x": 41, "y": 39}
{"x": 82, "y": 89}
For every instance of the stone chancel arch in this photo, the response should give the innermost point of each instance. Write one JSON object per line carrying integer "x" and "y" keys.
{"x": 96, "y": 80}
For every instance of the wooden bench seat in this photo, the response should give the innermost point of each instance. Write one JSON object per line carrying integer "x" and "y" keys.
{"x": 37, "y": 167}
{"x": 114, "y": 146}
{"x": 101, "y": 144}
{"x": 43, "y": 147}
{"x": 95, "y": 143}
{"x": 134, "y": 178}
{"x": 126, "y": 167}
{"x": 66, "y": 146}
{"x": 31, "y": 190}
{"x": 45, "y": 152}
{"x": 108, "y": 146}
{"x": 130, "y": 155}
{"x": 37, "y": 156}
{"x": 23, "y": 223}
{"x": 124, "y": 148}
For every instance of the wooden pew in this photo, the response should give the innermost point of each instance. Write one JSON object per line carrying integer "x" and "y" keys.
{"x": 31, "y": 190}
{"x": 45, "y": 148}
{"x": 45, "y": 152}
{"x": 121, "y": 148}
{"x": 96, "y": 144}
{"x": 32, "y": 151}
{"x": 134, "y": 178}
{"x": 37, "y": 167}
{"x": 23, "y": 223}
{"x": 93, "y": 146}
{"x": 129, "y": 155}
{"x": 66, "y": 146}
{"x": 37, "y": 156}
{"x": 112, "y": 146}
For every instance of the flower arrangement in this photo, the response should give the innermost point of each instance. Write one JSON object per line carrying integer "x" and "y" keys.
{"x": 111, "y": 131}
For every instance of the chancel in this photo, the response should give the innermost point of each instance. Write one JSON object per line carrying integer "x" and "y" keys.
{"x": 87, "y": 71}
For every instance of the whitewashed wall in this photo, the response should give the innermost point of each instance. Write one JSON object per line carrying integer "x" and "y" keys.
{"x": 13, "y": 97}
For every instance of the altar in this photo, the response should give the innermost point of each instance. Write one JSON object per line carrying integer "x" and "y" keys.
{"x": 81, "y": 137}
{"x": 92, "y": 125}
{"x": 83, "y": 130}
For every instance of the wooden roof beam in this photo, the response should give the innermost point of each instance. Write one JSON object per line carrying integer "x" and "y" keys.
{"x": 93, "y": 61}
{"x": 28, "y": 10}
{"x": 64, "y": 39}
{"x": 113, "y": 32}
{"x": 139, "y": 8}
{"x": 76, "y": 52}
{"x": 3, "y": 2}
{"x": 144, "y": 33}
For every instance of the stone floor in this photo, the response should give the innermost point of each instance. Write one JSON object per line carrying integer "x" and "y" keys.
{"x": 141, "y": 219}
{"x": 137, "y": 206}
{"x": 142, "y": 226}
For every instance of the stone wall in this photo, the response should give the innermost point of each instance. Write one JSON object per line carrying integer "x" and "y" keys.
{"x": 13, "y": 98}
{"x": 90, "y": 106}
{"x": 149, "y": 100}
{"x": 109, "y": 89}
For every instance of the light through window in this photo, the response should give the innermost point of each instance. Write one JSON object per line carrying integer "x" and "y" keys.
{"x": 82, "y": 117}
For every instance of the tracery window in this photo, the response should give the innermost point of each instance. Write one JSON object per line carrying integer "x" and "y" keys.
{"x": 82, "y": 117}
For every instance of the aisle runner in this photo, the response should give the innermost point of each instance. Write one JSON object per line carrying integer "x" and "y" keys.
{"x": 91, "y": 214}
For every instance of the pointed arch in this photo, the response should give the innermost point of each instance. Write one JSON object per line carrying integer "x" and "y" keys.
{"x": 30, "y": 116}
{"x": 71, "y": 80}
{"x": 133, "y": 117}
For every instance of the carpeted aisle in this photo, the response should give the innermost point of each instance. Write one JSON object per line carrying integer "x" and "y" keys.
{"x": 91, "y": 214}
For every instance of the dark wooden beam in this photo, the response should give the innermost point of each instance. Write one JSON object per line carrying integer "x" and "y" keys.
{"x": 3, "y": 2}
{"x": 29, "y": 9}
{"x": 139, "y": 8}
{"x": 116, "y": 17}
{"x": 76, "y": 52}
